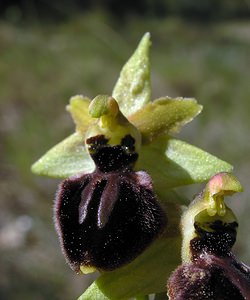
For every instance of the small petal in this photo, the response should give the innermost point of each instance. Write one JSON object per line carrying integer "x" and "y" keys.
{"x": 78, "y": 108}
{"x": 164, "y": 115}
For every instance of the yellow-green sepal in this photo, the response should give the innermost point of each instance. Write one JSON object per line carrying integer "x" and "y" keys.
{"x": 67, "y": 158}
{"x": 93, "y": 293}
{"x": 172, "y": 163}
{"x": 133, "y": 90}
{"x": 164, "y": 115}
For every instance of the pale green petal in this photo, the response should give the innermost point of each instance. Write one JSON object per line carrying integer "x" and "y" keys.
{"x": 164, "y": 115}
{"x": 79, "y": 110}
{"x": 172, "y": 163}
{"x": 148, "y": 273}
{"x": 67, "y": 158}
{"x": 133, "y": 90}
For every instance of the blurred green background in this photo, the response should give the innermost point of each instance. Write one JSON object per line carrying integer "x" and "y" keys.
{"x": 50, "y": 51}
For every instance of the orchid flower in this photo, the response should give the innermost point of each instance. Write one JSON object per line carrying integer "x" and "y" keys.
{"x": 160, "y": 164}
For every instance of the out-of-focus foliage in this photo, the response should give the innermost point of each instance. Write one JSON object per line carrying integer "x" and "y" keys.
{"x": 59, "y": 10}
{"x": 42, "y": 66}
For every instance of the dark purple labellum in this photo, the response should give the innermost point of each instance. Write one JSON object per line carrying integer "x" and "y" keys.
{"x": 210, "y": 278}
{"x": 214, "y": 273}
{"x": 218, "y": 242}
{"x": 112, "y": 158}
{"x": 107, "y": 218}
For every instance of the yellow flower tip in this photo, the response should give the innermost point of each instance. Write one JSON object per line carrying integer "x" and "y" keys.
{"x": 87, "y": 269}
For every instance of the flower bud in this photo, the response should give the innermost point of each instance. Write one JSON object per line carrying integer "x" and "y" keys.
{"x": 209, "y": 228}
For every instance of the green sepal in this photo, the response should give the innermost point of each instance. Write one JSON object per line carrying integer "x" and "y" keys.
{"x": 67, "y": 158}
{"x": 164, "y": 115}
{"x": 79, "y": 109}
{"x": 133, "y": 90}
{"x": 148, "y": 273}
{"x": 93, "y": 293}
{"x": 172, "y": 163}
{"x": 172, "y": 196}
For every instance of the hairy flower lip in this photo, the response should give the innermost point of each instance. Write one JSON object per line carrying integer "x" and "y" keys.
{"x": 202, "y": 277}
{"x": 217, "y": 241}
{"x": 237, "y": 272}
{"x": 111, "y": 223}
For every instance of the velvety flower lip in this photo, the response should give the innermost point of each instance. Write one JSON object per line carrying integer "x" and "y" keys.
{"x": 219, "y": 240}
{"x": 106, "y": 220}
{"x": 212, "y": 278}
